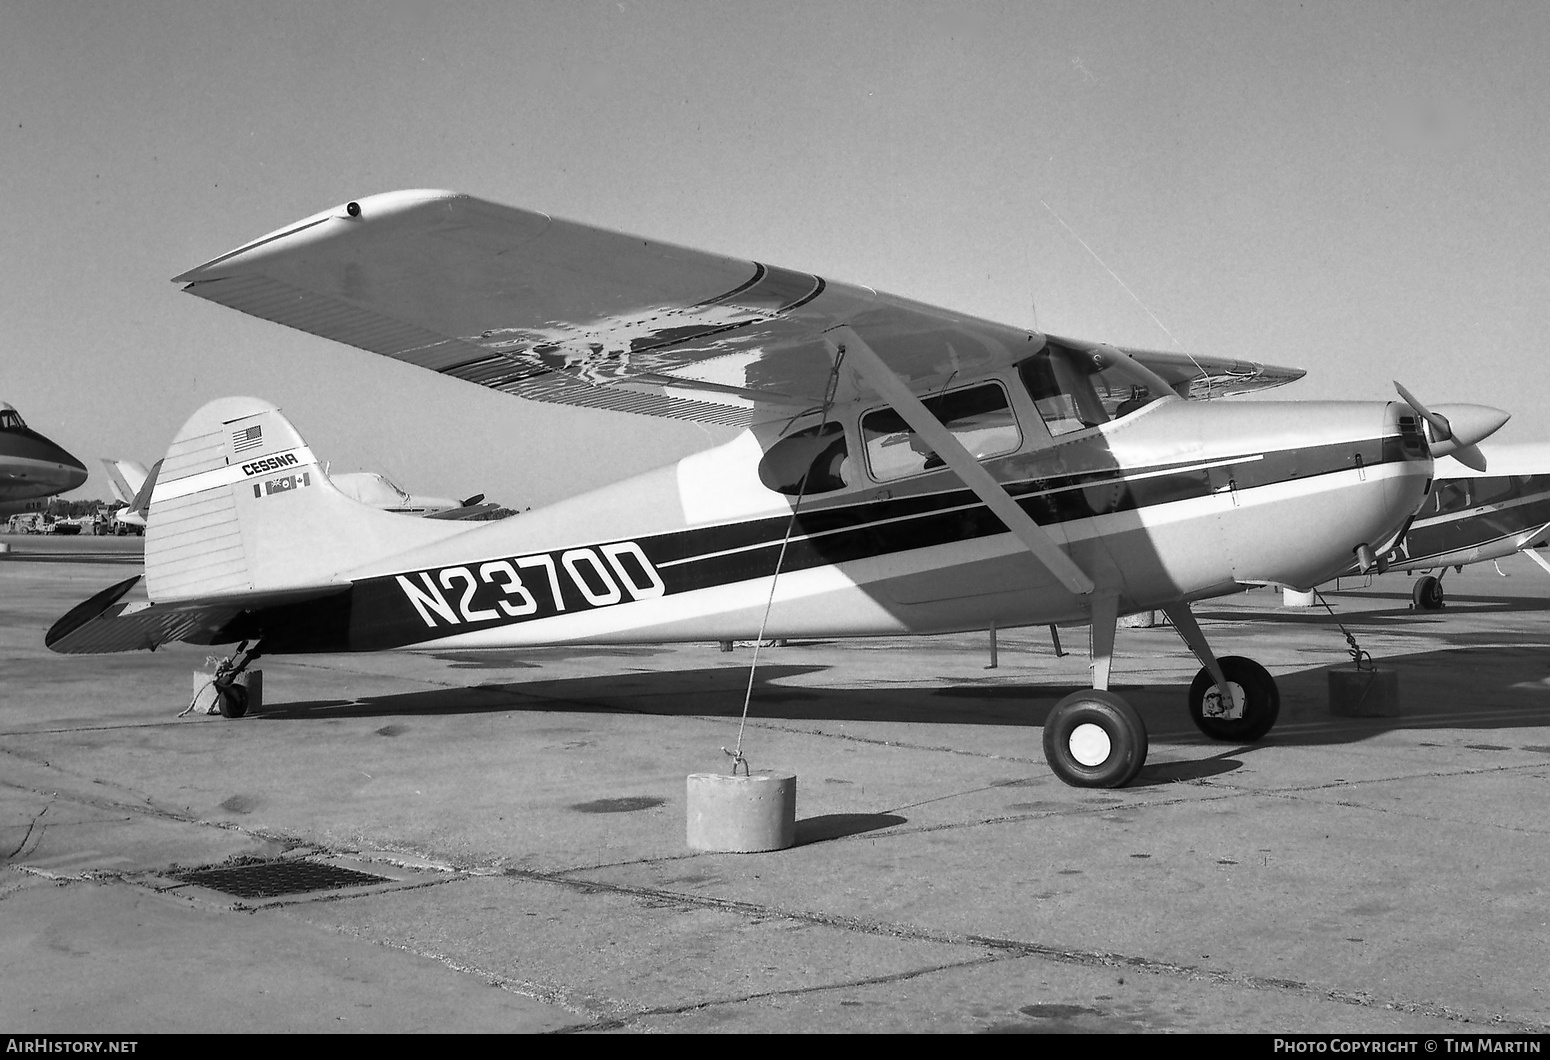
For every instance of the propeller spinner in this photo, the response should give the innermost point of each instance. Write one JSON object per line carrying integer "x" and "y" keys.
{"x": 1453, "y": 430}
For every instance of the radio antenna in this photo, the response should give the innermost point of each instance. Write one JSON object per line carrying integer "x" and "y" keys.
{"x": 1126, "y": 287}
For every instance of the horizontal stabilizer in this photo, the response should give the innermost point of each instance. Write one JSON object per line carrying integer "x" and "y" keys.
{"x": 105, "y": 624}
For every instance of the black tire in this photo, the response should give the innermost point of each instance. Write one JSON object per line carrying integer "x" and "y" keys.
{"x": 1426, "y": 594}
{"x": 1260, "y": 711}
{"x": 1071, "y": 750}
{"x": 232, "y": 700}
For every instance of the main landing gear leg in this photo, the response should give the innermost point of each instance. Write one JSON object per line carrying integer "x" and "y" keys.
{"x": 1232, "y": 698}
{"x": 1093, "y": 738}
{"x": 230, "y": 697}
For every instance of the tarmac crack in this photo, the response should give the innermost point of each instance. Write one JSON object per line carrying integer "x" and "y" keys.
{"x": 799, "y": 991}
{"x": 1296, "y": 793}
{"x": 548, "y": 994}
{"x": 1059, "y": 954}
{"x": 30, "y": 826}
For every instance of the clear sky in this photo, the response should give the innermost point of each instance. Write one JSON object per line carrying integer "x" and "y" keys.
{"x": 1358, "y": 189}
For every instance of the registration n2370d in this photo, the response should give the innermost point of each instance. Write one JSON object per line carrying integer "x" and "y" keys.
{"x": 538, "y": 586}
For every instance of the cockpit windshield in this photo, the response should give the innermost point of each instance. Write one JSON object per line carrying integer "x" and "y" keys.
{"x": 11, "y": 420}
{"x": 1075, "y": 389}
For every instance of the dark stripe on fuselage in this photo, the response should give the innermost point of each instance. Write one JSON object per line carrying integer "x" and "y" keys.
{"x": 378, "y": 613}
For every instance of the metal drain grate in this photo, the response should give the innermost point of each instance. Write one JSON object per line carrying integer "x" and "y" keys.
{"x": 271, "y": 879}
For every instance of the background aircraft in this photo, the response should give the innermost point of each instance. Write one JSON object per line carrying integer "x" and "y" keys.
{"x": 904, "y": 469}
{"x": 379, "y": 491}
{"x": 127, "y": 479}
{"x": 1477, "y": 513}
{"x": 32, "y": 468}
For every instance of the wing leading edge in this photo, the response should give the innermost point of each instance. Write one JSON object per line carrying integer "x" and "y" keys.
{"x": 562, "y": 312}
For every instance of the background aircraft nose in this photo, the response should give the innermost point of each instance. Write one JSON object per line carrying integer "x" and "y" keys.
{"x": 39, "y": 468}
{"x": 72, "y": 471}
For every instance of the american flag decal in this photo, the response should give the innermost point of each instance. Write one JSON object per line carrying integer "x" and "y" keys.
{"x": 251, "y": 438}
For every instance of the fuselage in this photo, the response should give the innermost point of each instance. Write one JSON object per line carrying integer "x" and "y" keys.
{"x": 1177, "y": 500}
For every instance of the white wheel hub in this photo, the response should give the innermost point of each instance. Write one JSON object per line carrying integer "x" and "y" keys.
{"x": 1089, "y": 744}
{"x": 1213, "y": 706}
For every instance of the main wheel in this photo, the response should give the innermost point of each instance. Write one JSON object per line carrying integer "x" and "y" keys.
{"x": 1252, "y": 685}
{"x": 1094, "y": 739}
{"x": 232, "y": 700}
{"x": 1426, "y": 594}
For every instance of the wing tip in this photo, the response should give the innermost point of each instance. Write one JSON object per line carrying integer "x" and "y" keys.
{"x": 371, "y": 207}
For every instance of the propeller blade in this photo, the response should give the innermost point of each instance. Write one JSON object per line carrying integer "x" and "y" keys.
{"x": 1470, "y": 456}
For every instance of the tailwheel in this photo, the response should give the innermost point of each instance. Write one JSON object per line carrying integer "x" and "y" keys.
{"x": 232, "y": 700}
{"x": 1253, "y": 689}
{"x": 1426, "y": 594}
{"x": 1094, "y": 739}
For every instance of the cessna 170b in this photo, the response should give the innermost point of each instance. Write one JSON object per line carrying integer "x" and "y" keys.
{"x": 904, "y": 469}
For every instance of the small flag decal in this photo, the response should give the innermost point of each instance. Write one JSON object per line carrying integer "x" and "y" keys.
{"x": 251, "y": 438}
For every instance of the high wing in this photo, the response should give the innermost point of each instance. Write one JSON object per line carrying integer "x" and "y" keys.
{"x": 562, "y": 312}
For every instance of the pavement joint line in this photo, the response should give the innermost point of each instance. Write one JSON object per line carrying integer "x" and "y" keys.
{"x": 1294, "y": 791}
{"x": 1005, "y": 949}
{"x": 146, "y": 808}
{"x": 620, "y": 1022}
{"x": 1086, "y": 958}
{"x": 547, "y": 993}
{"x": 1357, "y": 998}
{"x": 772, "y": 726}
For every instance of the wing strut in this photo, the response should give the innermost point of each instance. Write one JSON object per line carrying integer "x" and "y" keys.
{"x": 897, "y": 393}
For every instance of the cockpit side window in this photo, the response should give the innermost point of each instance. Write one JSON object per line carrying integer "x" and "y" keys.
{"x": 979, "y": 417}
{"x": 812, "y": 460}
{"x": 1076, "y": 389}
{"x": 1064, "y": 397}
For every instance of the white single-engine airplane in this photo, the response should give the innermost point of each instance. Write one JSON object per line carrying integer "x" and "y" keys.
{"x": 905, "y": 469}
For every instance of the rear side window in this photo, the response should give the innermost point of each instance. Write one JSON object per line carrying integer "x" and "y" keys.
{"x": 979, "y": 417}
{"x": 809, "y": 461}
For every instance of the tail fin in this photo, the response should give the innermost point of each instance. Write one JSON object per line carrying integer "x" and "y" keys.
{"x": 141, "y": 505}
{"x": 240, "y": 505}
{"x": 126, "y": 477}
